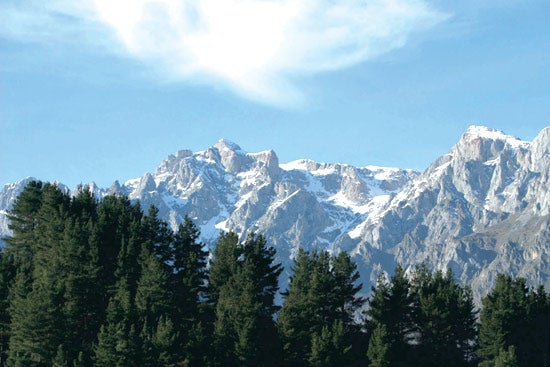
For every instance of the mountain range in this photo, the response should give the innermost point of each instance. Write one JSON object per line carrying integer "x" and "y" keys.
{"x": 481, "y": 209}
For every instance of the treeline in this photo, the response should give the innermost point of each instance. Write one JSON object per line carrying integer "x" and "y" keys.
{"x": 101, "y": 283}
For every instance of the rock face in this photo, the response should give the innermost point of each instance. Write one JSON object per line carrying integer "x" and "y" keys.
{"x": 481, "y": 209}
{"x": 298, "y": 204}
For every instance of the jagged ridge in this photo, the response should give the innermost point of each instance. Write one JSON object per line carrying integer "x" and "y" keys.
{"x": 482, "y": 208}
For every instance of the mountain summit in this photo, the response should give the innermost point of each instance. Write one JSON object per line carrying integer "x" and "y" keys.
{"x": 481, "y": 209}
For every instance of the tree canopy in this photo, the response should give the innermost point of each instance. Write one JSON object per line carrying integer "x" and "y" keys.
{"x": 100, "y": 282}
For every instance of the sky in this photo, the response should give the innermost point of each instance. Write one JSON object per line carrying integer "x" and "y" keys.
{"x": 104, "y": 90}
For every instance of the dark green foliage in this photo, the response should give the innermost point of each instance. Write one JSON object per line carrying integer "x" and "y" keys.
{"x": 102, "y": 279}
{"x": 23, "y": 223}
{"x": 345, "y": 276}
{"x": 330, "y": 346}
{"x": 153, "y": 304}
{"x": 513, "y": 315}
{"x": 427, "y": 321}
{"x": 7, "y": 275}
{"x": 82, "y": 293}
{"x": 60, "y": 359}
{"x": 316, "y": 321}
{"x": 445, "y": 320}
{"x": 391, "y": 309}
{"x": 152, "y": 297}
{"x": 237, "y": 322}
{"x": 36, "y": 321}
{"x": 118, "y": 341}
{"x": 117, "y": 223}
{"x": 244, "y": 282}
{"x": 164, "y": 344}
{"x": 538, "y": 328}
{"x": 507, "y": 358}
{"x": 295, "y": 319}
{"x": 187, "y": 282}
{"x": 98, "y": 283}
{"x": 224, "y": 264}
{"x": 380, "y": 347}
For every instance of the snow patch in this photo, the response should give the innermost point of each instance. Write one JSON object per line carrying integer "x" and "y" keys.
{"x": 299, "y": 164}
{"x": 172, "y": 201}
{"x": 340, "y": 199}
{"x": 211, "y": 229}
{"x": 492, "y": 134}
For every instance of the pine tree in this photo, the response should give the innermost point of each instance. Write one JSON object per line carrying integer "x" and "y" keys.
{"x": 321, "y": 348}
{"x": 81, "y": 361}
{"x": 537, "y": 328}
{"x": 244, "y": 329}
{"x": 7, "y": 276}
{"x": 507, "y": 358}
{"x": 118, "y": 343}
{"x": 321, "y": 295}
{"x": 224, "y": 263}
{"x": 322, "y": 292}
{"x": 294, "y": 321}
{"x": 164, "y": 344}
{"x": 380, "y": 347}
{"x": 236, "y": 329}
{"x": 117, "y": 221}
{"x": 445, "y": 319}
{"x": 23, "y": 223}
{"x": 36, "y": 328}
{"x": 152, "y": 297}
{"x": 346, "y": 275}
{"x": 60, "y": 359}
{"x": 329, "y": 346}
{"x": 20, "y": 249}
{"x": 391, "y": 305}
{"x": 188, "y": 285}
{"x": 514, "y": 315}
{"x": 153, "y": 303}
{"x": 504, "y": 308}
{"x": 82, "y": 307}
{"x": 37, "y": 323}
{"x": 259, "y": 259}
{"x": 159, "y": 235}
{"x": 18, "y": 294}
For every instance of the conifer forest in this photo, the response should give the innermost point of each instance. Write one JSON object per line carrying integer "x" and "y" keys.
{"x": 87, "y": 282}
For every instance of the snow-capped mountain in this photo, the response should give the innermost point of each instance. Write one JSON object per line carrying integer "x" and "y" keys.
{"x": 481, "y": 209}
{"x": 297, "y": 204}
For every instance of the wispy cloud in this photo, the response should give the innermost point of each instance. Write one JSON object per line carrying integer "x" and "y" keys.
{"x": 258, "y": 48}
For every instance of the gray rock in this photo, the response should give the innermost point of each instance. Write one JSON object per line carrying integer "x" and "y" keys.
{"x": 481, "y": 209}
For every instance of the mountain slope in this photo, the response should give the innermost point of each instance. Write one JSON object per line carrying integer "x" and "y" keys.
{"x": 482, "y": 208}
{"x": 301, "y": 203}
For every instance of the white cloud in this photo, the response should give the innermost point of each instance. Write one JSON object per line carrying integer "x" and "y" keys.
{"x": 259, "y": 48}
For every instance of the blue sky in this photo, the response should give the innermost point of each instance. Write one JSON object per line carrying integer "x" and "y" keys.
{"x": 103, "y": 90}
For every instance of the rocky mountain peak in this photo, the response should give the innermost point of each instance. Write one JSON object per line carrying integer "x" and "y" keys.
{"x": 267, "y": 162}
{"x": 224, "y": 145}
{"x": 115, "y": 188}
{"x": 481, "y": 143}
{"x": 482, "y": 208}
{"x": 483, "y": 132}
{"x": 184, "y": 153}
{"x": 230, "y": 155}
{"x": 147, "y": 183}
{"x": 541, "y": 147}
